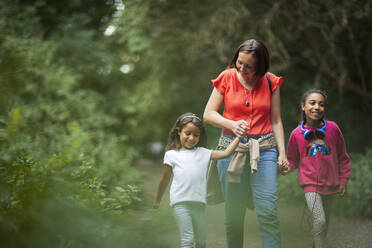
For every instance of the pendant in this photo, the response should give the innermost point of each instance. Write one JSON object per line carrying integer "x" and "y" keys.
{"x": 246, "y": 103}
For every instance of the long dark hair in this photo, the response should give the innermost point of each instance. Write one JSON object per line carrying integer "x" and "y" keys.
{"x": 258, "y": 50}
{"x": 306, "y": 94}
{"x": 183, "y": 120}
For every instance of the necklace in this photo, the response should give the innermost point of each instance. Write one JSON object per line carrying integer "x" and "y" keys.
{"x": 246, "y": 97}
{"x": 242, "y": 81}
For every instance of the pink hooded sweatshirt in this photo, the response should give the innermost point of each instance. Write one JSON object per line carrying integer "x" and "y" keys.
{"x": 320, "y": 173}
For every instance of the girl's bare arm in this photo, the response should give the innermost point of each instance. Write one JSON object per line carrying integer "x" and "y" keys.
{"x": 164, "y": 181}
{"x": 215, "y": 155}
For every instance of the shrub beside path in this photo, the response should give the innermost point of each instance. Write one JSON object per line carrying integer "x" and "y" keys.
{"x": 295, "y": 222}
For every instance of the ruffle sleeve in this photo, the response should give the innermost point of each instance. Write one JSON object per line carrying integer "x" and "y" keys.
{"x": 220, "y": 82}
{"x": 275, "y": 81}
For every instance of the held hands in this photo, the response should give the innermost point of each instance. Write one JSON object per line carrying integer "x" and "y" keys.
{"x": 239, "y": 128}
{"x": 283, "y": 165}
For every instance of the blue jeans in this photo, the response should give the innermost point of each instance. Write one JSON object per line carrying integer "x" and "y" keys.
{"x": 190, "y": 218}
{"x": 264, "y": 186}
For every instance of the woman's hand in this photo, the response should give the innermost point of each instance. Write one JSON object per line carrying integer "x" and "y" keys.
{"x": 239, "y": 128}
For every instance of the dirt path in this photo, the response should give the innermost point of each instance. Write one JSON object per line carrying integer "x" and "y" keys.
{"x": 296, "y": 231}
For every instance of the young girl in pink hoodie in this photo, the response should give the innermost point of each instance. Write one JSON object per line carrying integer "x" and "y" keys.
{"x": 317, "y": 149}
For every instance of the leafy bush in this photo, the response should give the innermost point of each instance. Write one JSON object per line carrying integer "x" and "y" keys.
{"x": 358, "y": 200}
{"x": 61, "y": 161}
{"x": 39, "y": 178}
{"x": 66, "y": 129}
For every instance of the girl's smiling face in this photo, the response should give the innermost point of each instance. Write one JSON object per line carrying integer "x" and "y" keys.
{"x": 189, "y": 136}
{"x": 314, "y": 107}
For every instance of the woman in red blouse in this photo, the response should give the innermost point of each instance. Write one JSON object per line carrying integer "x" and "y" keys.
{"x": 251, "y": 98}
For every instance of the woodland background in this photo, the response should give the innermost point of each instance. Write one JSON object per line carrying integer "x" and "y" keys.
{"x": 87, "y": 88}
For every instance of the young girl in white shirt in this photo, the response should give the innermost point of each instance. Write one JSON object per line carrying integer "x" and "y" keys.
{"x": 187, "y": 159}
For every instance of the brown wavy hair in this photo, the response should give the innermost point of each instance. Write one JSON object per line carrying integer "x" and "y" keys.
{"x": 183, "y": 120}
{"x": 258, "y": 50}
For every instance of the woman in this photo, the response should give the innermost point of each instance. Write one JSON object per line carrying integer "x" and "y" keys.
{"x": 251, "y": 97}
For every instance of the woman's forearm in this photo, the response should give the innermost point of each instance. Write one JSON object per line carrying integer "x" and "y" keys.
{"x": 217, "y": 120}
{"x": 278, "y": 131}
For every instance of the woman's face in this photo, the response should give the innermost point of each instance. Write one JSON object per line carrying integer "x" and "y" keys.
{"x": 245, "y": 64}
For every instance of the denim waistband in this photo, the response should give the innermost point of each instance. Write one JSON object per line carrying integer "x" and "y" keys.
{"x": 246, "y": 138}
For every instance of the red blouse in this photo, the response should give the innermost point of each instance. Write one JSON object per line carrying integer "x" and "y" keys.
{"x": 235, "y": 97}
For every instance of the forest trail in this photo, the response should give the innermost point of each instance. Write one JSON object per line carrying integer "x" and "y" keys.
{"x": 295, "y": 222}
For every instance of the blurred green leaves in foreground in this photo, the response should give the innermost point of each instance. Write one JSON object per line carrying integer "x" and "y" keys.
{"x": 65, "y": 164}
{"x": 61, "y": 181}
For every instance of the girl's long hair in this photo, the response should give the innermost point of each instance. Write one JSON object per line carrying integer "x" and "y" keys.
{"x": 183, "y": 120}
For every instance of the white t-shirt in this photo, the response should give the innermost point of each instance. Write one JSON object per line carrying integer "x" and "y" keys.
{"x": 189, "y": 174}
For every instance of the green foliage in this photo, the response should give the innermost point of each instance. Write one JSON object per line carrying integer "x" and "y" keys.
{"x": 289, "y": 190}
{"x": 63, "y": 156}
{"x": 358, "y": 200}
{"x": 61, "y": 173}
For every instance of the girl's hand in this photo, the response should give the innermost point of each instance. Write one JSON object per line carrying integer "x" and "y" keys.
{"x": 342, "y": 190}
{"x": 239, "y": 128}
